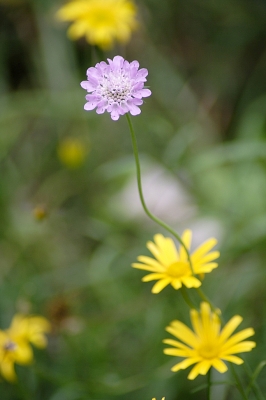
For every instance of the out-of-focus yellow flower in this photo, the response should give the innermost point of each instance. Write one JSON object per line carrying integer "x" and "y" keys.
{"x": 171, "y": 267}
{"x": 208, "y": 345}
{"x": 15, "y": 343}
{"x": 40, "y": 212}
{"x": 72, "y": 152}
{"x": 100, "y": 21}
{"x": 31, "y": 329}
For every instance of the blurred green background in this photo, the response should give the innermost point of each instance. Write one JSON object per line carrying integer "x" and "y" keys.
{"x": 70, "y": 229}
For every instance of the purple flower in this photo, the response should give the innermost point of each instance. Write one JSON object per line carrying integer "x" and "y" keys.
{"x": 117, "y": 87}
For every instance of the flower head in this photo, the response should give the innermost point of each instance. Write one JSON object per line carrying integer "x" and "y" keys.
{"x": 15, "y": 343}
{"x": 172, "y": 267}
{"x": 116, "y": 87}
{"x": 208, "y": 345}
{"x": 100, "y": 21}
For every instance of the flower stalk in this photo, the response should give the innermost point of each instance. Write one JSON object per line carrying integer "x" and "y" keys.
{"x": 145, "y": 208}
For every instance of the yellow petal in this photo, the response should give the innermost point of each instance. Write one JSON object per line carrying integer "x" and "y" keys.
{"x": 233, "y": 359}
{"x": 143, "y": 267}
{"x": 219, "y": 365}
{"x": 199, "y": 369}
{"x": 206, "y": 259}
{"x": 160, "y": 285}
{"x": 238, "y": 337}
{"x": 164, "y": 250}
{"x": 205, "y": 311}
{"x": 191, "y": 281}
{"x": 204, "y": 268}
{"x": 8, "y": 370}
{"x": 156, "y": 253}
{"x": 152, "y": 263}
{"x": 152, "y": 277}
{"x": 77, "y": 30}
{"x": 240, "y": 348}
{"x": 23, "y": 353}
{"x": 230, "y": 327}
{"x": 176, "y": 283}
{"x": 175, "y": 352}
{"x": 182, "y": 332}
{"x": 175, "y": 343}
{"x": 184, "y": 364}
{"x": 203, "y": 249}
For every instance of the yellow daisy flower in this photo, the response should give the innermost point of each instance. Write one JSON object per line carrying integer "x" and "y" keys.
{"x": 15, "y": 343}
{"x": 171, "y": 267}
{"x": 208, "y": 345}
{"x": 100, "y": 21}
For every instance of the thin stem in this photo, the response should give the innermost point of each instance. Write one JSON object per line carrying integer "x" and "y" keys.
{"x": 186, "y": 297}
{"x": 253, "y": 384}
{"x": 209, "y": 385}
{"x": 147, "y": 211}
{"x": 205, "y": 298}
{"x": 239, "y": 384}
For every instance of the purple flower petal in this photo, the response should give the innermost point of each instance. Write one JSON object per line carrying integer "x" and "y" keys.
{"x": 142, "y": 93}
{"x": 134, "y": 65}
{"x": 90, "y": 86}
{"x": 141, "y": 75}
{"x": 90, "y": 106}
{"x": 115, "y": 112}
{"x": 136, "y": 102}
{"x": 102, "y": 67}
{"x": 101, "y": 107}
{"x": 124, "y": 107}
{"x": 93, "y": 98}
{"x": 133, "y": 109}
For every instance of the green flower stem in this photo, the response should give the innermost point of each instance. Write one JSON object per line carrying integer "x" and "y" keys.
{"x": 150, "y": 215}
{"x": 154, "y": 218}
{"x": 252, "y": 378}
{"x": 205, "y": 298}
{"x": 239, "y": 384}
{"x": 186, "y": 297}
{"x": 209, "y": 385}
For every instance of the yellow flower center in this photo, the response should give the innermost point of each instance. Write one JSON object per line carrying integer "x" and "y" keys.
{"x": 208, "y": 352}
{"x": 178, "y": 269}
{"x": 102, "y": 17}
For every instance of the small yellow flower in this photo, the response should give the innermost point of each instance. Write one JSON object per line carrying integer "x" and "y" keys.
{"x": 172, "y": 267}
{"x": 208, "y": 345}
{"x": 100, "y": 21}
{"x": 15, "y": 343}
{"x": 72, "y": 152}
{"x": 40, "y": 212}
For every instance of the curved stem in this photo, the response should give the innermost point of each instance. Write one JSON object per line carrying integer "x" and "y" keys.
{"x": 205, "y": 298}
{"x": 253, "y": 384}
{"x": 147, "y": 211}
{"x": 187, "y": 298}
{"x": 239, "y": 384}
